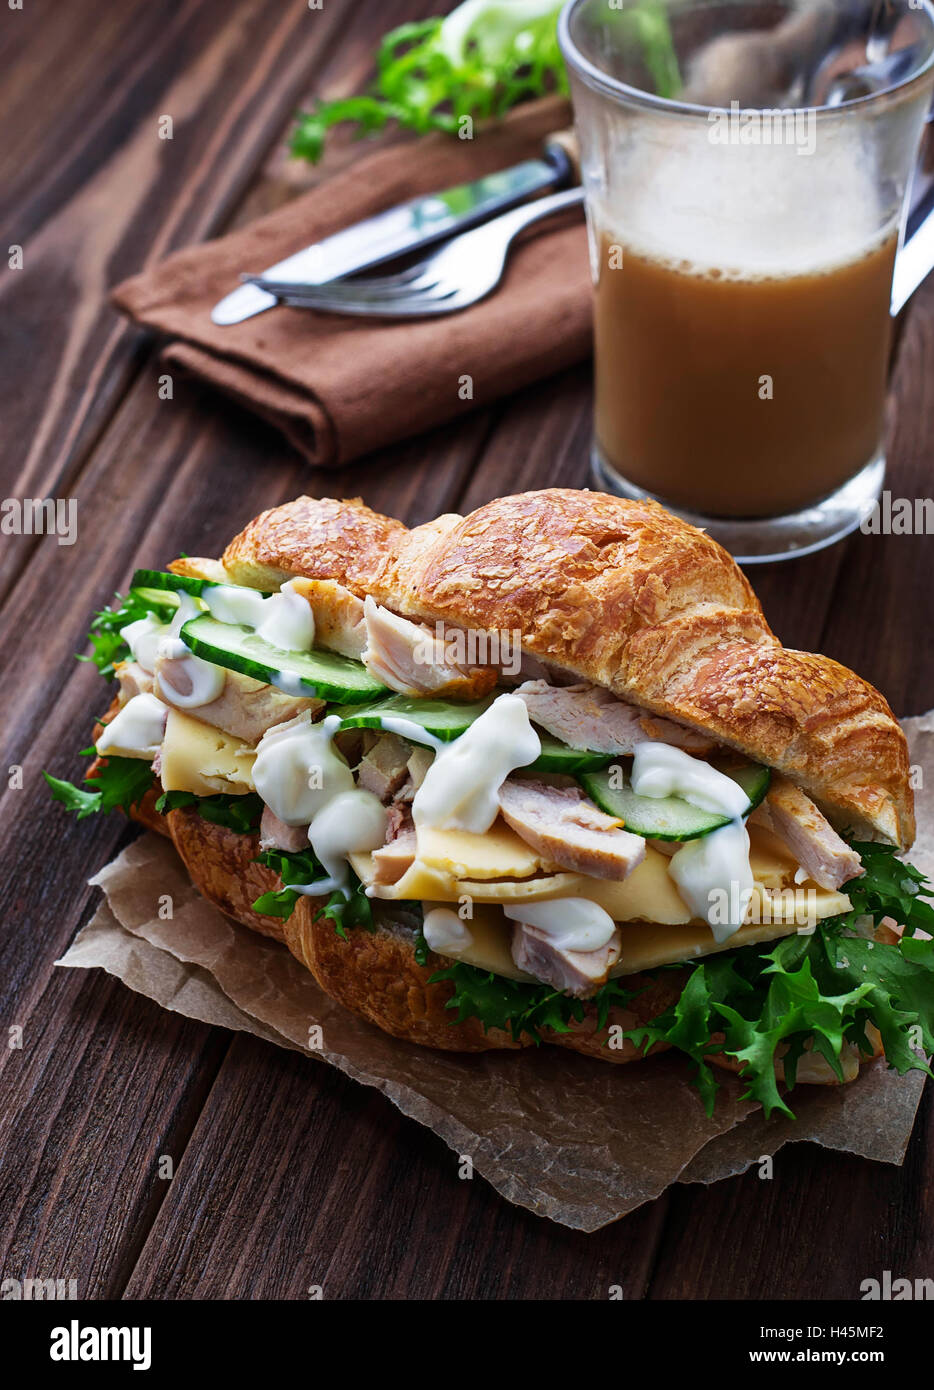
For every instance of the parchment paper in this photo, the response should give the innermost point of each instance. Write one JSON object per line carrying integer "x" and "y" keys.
{"x": 571, "y": 1139}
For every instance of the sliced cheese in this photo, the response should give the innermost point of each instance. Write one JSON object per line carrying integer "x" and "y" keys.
{"x": 656, "y": 926}
{"x": 772, "y": 862}
{"x": 648, "y": 893}
{"x": 497, "y": 854}
{"x": 646, "y": 945}
{"x": 427, "y": 881}
{"x": 199, "y": 758}
{"x": 489, "y": 948}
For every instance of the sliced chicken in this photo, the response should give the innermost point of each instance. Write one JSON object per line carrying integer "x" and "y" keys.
{"x": 420, "y": 760}
{"x": 411, "y": 660}
{"x": 820, "y": 851}
{"x": 418, "y": 764}
{"x": 133, "y": 680}
{"x": 384, "y": 769}
{"x": 392, "y": 860}
{"x": 275, "y": 834}
{"x": 564, "y": 826}
{"x": 533, "y": 669}
{"x": 573, "y": 972}
{"x": 339, "y": 621}
{"x": 246, "y": 708}
{"x": 586, "y": 716}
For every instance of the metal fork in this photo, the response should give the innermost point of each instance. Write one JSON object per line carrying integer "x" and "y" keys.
{"x": 464, "y": 270}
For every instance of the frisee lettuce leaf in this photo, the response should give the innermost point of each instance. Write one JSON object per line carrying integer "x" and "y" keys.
{"x": 107, "y": 645}
{"x": 117, "y": 783}
{"x": 430, "y": 74}
{"x": 239, "y": 813}
{"x": 889, "y": 888}
{"x": 482, "y": 59}
{"x": 303, "y": 867}
{"x": 515, "y": 1007}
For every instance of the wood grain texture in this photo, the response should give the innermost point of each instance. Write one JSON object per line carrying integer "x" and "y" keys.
{"x": 287, "y": 1174}
{"x": 332, "y": 1187}
{"x": 103, "y": 195}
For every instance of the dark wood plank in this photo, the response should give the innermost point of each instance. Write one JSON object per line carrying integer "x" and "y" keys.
{"x": 186, "y": 476}
{"x": 99, "y": 197}
{"x": 824, "y": 1223}
{"x": 878, "y": 620}
{"x": 296, "y": 1177}
{"x": 105, "y": 1085}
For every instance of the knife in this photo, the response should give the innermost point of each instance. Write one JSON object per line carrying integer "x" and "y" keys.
{"x": 915, "y": 259}
{"x": 406, "y": 227}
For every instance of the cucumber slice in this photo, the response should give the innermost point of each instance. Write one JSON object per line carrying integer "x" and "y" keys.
{"x": 669, "y": 817}
{"x": 325, "y": 674}
{"x": 752, "y": 777}
{"x": 558, "y": 757}
{"x": 446, "y": 719}
{"x": 162, "y": 590}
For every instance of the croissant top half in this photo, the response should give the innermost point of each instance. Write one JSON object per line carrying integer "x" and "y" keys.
{"x": 626, "y": 596}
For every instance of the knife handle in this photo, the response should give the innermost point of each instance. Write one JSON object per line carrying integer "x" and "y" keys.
{"x": 565, "y": 143}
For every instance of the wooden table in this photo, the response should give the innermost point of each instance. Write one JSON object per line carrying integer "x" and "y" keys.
{"x": 287, "y": 1174}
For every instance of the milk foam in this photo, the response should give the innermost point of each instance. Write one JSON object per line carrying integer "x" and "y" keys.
{"x": 743, "y": 212}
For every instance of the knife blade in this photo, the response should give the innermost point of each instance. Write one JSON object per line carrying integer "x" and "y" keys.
{"x": 406, "y": 227}
{"x": 915, "y": 259}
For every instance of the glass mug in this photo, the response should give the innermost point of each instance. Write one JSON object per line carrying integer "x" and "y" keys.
{"x": 742, "y": 247}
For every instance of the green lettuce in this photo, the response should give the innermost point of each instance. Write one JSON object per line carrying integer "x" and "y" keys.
{"x": 300, "y": 868}
{"x": 239, "y": 813}
{"x": 480, "y": 61}
{"x": 516, "y": 1008}
{"x": 104, "y": 636}
{"x": 117, "y": 784}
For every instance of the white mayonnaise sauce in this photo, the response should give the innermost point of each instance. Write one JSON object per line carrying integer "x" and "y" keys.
{"x": 287, "y": 621}
{"x": 571, "y": 924}
{"x": 660, "y": 770}
{"x": 186, "y": 681}
{"x": 714, "y": 877}
{"x": 283, "y": 620}
{"x": 408, "y": 729}
{"x": 143, "y": 638}
{"x": 353, "y": 821}
{"x": 229, "y": 604}
{"x": 712, "y": 872}
{"x": 298, "y": 770}
{"x": 137, "y": 730}
{"x": 301, "y": 776}
{"x": 460, "y": 790}
{"x": 172, "y": 644}
{"x": 290, "y": 684}
{"x": 445, "y": 932}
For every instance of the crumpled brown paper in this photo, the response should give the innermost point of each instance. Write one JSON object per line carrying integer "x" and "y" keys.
{"x": 558, "y": 1133}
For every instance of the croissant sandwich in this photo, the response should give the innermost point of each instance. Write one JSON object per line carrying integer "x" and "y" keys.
{"x": 540, "y": 774}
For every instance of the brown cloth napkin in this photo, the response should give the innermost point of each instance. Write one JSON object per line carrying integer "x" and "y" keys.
{"x": 337, "y": 386}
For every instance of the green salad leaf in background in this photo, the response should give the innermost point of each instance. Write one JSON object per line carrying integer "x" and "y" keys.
{"x": 481, "y": 60}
